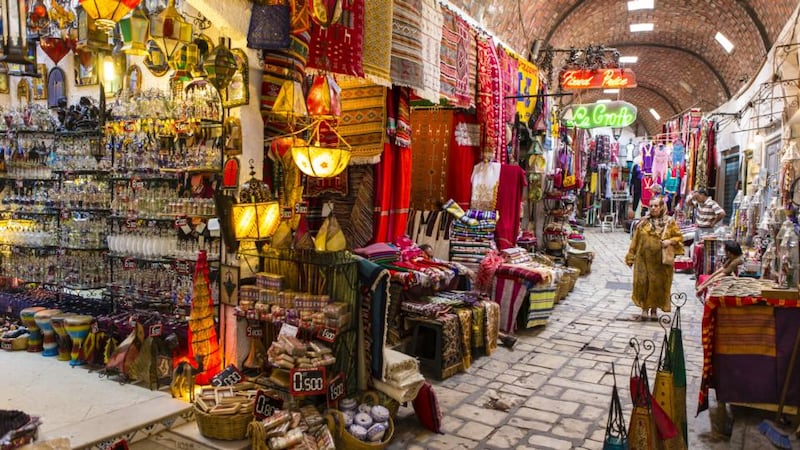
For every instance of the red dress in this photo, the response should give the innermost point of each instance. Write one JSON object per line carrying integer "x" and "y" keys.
{"x": 509, "y": 204}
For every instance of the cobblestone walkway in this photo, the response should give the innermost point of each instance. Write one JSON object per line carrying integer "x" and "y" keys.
{"x": 559, "y": 376}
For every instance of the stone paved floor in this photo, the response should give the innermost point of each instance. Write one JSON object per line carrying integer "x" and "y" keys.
{"x": 559, "y": 376}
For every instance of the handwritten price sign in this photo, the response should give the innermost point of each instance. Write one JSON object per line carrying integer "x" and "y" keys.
{"x": 336, "y": 389}
{"x": 327, "y": 334}
{"x": 307, "y": 381}
{"x": 227, "y": 377}
{"x": 266, "y": 405}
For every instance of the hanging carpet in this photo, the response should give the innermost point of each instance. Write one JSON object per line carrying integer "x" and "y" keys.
{"x": 363, "y": 119}
{"x": 339, "y": 47}
{"x": 377, "y": 52}
{"x": 406, "y": 66}
{"x": 431, "y": 23}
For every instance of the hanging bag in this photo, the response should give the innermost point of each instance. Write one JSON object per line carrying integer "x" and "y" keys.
{"x": 667, "y": 253}
{"x": 270, "y": 24}
{"x": 616, "y": 430}
{"x": 570, "y": 181}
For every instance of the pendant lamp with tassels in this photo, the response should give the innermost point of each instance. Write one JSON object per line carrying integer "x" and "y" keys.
{"x": 106, "y": 13}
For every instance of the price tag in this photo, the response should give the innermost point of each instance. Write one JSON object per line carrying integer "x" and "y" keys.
{"x": 137, "y": 184}
{"x": 301, "y": 208}
{"x": 181, "y": 221}
{"x": 307, "y": 381}
{"x": 288, "y": 330}
{"x": 227, "y": 377}
{"x": 327, "y": 334}
{"x": 155, "y": 329}
{"x": 266, "y": 405}
{"x": 131, "y": 223}
{"x": 336, "y": 389}
{"x": 286, "y": 212}
{"x": 254, "y": 331}
{"x": 129, "y": 264}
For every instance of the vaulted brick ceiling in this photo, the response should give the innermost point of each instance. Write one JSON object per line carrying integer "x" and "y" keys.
{"x": 680, "y": 64}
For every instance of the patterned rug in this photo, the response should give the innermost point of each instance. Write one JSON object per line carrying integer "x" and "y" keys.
{"x": 431, "y": 137}
{"x": 509, "y": 77}
{"x": 377, "y": 59}
{"x": 431, "y": 45}
{"x": 454, "y": 59}
{"x": 471, "y": 43}
{"x": 339, "y": 47}
{"x": 362, "y": 123}
{"x": 407, "y": 44}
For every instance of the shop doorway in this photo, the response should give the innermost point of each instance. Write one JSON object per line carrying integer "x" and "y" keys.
{"x": 730, "y": 181}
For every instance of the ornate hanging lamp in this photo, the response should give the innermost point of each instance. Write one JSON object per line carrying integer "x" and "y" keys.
{"x": 134, "y": 31}
{"x": 16, "y": 47}
{"x": 325, "y": 155}
{"x": 220, "y": 65}
{"x": 170, "y": 29}
{"x": 107, "y": 13}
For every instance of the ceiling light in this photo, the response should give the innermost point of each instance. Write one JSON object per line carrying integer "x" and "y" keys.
{"x": 610, "y": 91}
{"x": 628, "y": 59}
{"x": 686, "y": 87}
{"x": 604, "y": 100}
{"x": 724, "y": 42}
{"x": 655, "y": 114}
{"x": 640, "y": 4}
{"x": 636, "y": 27}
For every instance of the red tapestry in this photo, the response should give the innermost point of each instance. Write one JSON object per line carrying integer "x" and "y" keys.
{"x": 339, "y": 47}
{"x": 509, "y": 77}
{"x": 490, "y": 99}
{"x": 333, "y": 185}
{"x": 465, "y": 142}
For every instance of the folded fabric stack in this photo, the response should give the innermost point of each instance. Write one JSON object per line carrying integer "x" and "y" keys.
{"x": 402, "y": 379}
{"x": 516, "y": 255}
{"x": 380, "y": 253}
{"x": 470, "y": 242}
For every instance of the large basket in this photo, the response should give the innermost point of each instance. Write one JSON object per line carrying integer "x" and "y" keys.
{"x": 226, "y": 427}
{"x": 572, "y": 274}
{"x": 346, "y": 440}
{"x": 562, "y": 288}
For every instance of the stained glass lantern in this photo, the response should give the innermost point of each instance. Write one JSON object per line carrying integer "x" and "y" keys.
{"x": 134, "y": 31}
{"x": 220, "y": 65}
{"x": 107, "y": 13}
{"x": 170, "y": 29}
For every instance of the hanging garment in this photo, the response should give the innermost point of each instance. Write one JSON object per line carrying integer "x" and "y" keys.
{"x": 485, "y": 180}
{"x": 647, "y": 194}
{"x": 509, "y": 201}
{"x": 660, "y": 163}
{"x": 647, "y": 152}
{"x": 464, "y": 154}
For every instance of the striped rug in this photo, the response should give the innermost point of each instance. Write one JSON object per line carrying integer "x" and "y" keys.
{"x": 406, "y": 66}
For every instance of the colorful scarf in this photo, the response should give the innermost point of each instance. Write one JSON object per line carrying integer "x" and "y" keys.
{"x": 490, "y": 99}
{"x": 406, "y": 65}
{"x": 492, "y": 325}
{"x": 339, "y": 47}
{"x": 378, "y": 42}
{"x": 431, "y": 22}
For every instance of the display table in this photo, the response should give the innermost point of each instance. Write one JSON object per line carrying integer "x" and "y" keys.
{"x": 747, "y": 344}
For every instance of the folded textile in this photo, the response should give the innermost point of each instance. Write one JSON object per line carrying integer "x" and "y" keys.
{"x": 379, "y": 251}
{"x": 398, "y": 393}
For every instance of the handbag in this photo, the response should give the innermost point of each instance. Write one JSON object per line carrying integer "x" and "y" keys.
{"x": 667, "y": 253}
{"x": 270, "y": 26}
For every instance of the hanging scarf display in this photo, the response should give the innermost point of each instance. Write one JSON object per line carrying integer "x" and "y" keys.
{"x": 490, "y": 99}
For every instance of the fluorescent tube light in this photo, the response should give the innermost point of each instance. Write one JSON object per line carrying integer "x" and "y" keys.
{"x": 634, "y": 5}
{"x": 636, "y": 27}
{"x": 610, "y": 91}
{"x": 724, "y": 42}
{"x": 655, "y": 114}
{"x": 628, "y": 59}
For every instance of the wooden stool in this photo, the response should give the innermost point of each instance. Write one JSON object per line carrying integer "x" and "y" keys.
{"x": 427, "y": 344}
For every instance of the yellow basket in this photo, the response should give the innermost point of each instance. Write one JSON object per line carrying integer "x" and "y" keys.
{"x": 562, "y": 288}
{"x": 572, "y": 273}
{"x": 346, "y": 440}
{"x": 226, "y": 427}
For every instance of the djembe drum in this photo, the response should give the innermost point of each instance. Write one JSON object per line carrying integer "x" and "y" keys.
{"x": 62, "y": 338}
{"x": 49, "y": 344}
{"x": 78, "y": 327}
{"x": 34, "y": 335}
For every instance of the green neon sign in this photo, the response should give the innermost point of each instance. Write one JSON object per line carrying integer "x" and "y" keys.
{"x": 596, "y": 115}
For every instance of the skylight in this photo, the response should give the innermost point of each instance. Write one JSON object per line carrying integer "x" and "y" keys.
{"x": 634, "y": 5}
{"x": 724, "y": 42}
{"x": 655, "y": 114}
{"x": 636, "y": 27}
{"x": 610, "y": 91}
{"x": 628, "y": 59}
{"x": 686, "y": 87}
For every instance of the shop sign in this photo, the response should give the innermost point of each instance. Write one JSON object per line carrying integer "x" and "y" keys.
{"x": 307, "y": 381}
{"x": 617, "y": 114}
{"x": 598, "y": 79}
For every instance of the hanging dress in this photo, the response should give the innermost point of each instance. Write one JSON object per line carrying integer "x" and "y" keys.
{"x": 485, "y": 180}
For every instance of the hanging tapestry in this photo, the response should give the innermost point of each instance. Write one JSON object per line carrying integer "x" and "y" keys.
{"x": 377, "y": 52}
{"x": 374, "y": 281}
{"x": 528, "y": 85}
{"x": 431, "y": 44}
{"x": 362, "y": 123}
{"x": 509, "y": 199}
{"x": 406, "y": 66}
{"x": 509, "y": 77}
{"x": 465, "y": 142}
{"x": 454, "y": 64}
{"x": 332, "y": 185}
{"x": 472, "y": 65}
{"x": 431, "y": 137}
{"x": 490, "y": 99}
{"x": 338, "y": 48}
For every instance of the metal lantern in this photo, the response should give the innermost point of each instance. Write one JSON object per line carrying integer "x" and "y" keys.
{"x": 107, "y": 13}
{"x": 15, "y": 34}
{"x": 184, "y": 60}
{"x": 220, "y": 65}
{"x": 133, "y": 30}
{"x": 170, "y": 29}
{"x": 89, "y": 35}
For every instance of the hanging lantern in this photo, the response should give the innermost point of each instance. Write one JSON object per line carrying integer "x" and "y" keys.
{"x": 170, "y": 29}
{"x": 38, "y": 18}
{"x": 89, "y": 35}
{"x": 290, "y": 104}
{"x": 107, "y": 13}
{"x": 15, "y": 34}
{"x": 133, "y": 30}
{"x": 183, "y": 61}
{"x": 324, "y": 97}
{"x": 55, "y": 48}
{"x": 320, "y": 159}
{"x": 220, "y": 65}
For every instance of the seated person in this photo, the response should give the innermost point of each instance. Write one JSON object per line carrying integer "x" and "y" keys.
{"x": 730, "y": 266}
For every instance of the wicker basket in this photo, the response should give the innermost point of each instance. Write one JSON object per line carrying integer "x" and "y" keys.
{"x": 580, "y": 244}
{"x": 542, "y": 259}
{"x": 573, "y": 274}
{"x": 581, "y": 260}
{"x": 226, "y": 427}
{"x": 346, "y": 440}
{"x": 562, "y": 288}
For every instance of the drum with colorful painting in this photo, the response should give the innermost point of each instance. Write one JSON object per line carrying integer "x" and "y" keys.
{"x": 35, "y": 335}
{"x": 63, "y": 340}
{"x": 49, "y": 343}
{"x": 78, "y": 328}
